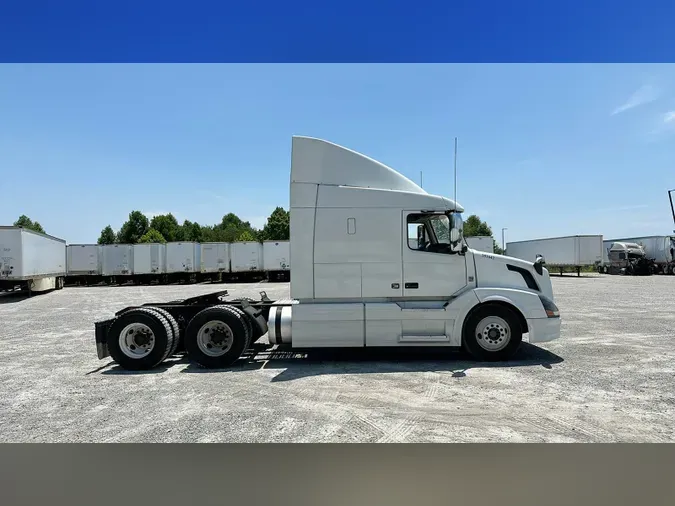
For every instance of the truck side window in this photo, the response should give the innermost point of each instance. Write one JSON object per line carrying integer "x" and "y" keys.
{"x": 622, "y": 256}
{"x": 429, "y": 232}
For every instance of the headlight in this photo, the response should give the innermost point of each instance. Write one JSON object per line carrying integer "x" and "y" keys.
{"x": 551, "y": 309}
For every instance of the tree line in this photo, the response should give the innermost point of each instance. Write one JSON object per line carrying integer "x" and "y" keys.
{"x": 165, "y": 228}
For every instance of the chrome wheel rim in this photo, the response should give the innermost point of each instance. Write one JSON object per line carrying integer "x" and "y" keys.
{"x": 493, "y": 333}
{"x": 215, "y": 338}
{"x": 136, "y": 340}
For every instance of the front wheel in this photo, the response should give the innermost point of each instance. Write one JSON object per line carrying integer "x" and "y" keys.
{"x": 492, "y": 333}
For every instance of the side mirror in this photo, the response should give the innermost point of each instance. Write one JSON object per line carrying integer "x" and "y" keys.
{"x": 421, "y": 237}
{"x": 539, "y": 264}
{"x": 454, "y": 235}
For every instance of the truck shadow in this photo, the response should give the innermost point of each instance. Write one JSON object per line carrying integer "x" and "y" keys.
{"x": 13, "y": 297}
{"x": 294, "y": 364}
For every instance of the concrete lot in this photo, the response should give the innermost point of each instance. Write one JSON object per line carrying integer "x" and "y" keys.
{"x": 609, "y": 378}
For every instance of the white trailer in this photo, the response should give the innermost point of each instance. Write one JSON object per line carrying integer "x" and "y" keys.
{"x": 277, "y": 259}
{"x": 84, "y": 259}
{"x": 118, "y": 260}
{"x": 376, "y": 262}
{"x": 246, "y": 257}
{"x": 660, "y": 248}
{"x": 30, "y": 260}
{"x": 481, "y": 243}
{"x": 559, "y": 252}
{"x": 215, "y": 257}
{"x": 183, "y": 259}
{"x": 149, "y": 260}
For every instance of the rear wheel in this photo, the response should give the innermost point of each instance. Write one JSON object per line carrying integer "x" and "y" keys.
{"x": 217, "y": 336}
{"x": 140, "y": 339}
{"x": 174, "y": 326}
{"x": 491, "y": 333}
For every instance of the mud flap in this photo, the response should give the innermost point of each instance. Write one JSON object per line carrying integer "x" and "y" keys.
{"x": 101, "y": 338}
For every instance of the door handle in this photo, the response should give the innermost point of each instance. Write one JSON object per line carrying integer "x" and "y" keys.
{"x": 412, "y": 285}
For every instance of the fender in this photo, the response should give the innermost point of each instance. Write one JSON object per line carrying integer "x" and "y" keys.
{"x": 525, "y": 301}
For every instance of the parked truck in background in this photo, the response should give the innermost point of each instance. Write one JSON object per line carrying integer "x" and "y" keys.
{"x": 481, "y": 243}
{"x": 576, "y": 251}
{"x": 376, "y": 262}
{"x": 660, "y": 248}
{"x": 31, "y": 261}
{"x": 628, "y": 258}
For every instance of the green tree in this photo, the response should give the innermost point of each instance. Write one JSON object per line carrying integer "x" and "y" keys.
{"x": 278, "y": 226}
{"x": 107, "y": 236}
{"x": 134, "y": 228}
{"x": 190, "y": 231}
{"x": 474, "y": 226}
{"x": 152, "y": 235}
{"x": 25, "y": 222}
{"x": 231, "y": 227}
{"x": 245, "y": 236}
{"x": 167, "y": 225}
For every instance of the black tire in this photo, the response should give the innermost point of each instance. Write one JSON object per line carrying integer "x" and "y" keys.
{"x": 174, "y": 326}
{"x": 235, "y": 319}
{"x": 470, "y": 340}
{"x": 161, "y": 328}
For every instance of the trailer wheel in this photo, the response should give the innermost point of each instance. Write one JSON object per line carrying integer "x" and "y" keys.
{"x": 174, "y": 326}
{"x": 140, "y": 339}
{"x": 492, "y": 332}
{"x": 217, "y": 336}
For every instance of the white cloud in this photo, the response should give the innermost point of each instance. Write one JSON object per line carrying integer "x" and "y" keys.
{"x": 669, "y": 117}
{"x": 642, "y": 96}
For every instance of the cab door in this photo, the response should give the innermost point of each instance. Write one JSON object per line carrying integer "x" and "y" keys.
{"x": 429, "y": 270}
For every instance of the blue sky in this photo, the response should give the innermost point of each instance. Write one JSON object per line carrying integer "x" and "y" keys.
{"x": 543, "y": 149}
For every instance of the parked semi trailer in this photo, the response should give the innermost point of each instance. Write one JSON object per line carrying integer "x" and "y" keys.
{"x": 84, "y": 263}
{"x": 182, "y": 260}
{"x": 659, "y": 248}
{"x": 357, "y": 280}
{"x": 118, "y": 262}
{"x": 215, "y": 260}
{"x": 277, "y": 260}
{"x": 246, "y": 259}
{"x": 481, "y": 243}
{"x": 149, "y": 262}
{"x": 31, "y": 261}
{"x": 575, "y": 251}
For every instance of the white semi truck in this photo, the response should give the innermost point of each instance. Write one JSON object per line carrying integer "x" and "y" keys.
{"x": 659, "y": 248}
{"x": 376, "y": 261}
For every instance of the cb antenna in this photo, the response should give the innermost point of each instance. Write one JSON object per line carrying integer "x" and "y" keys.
{"x": 672, "y": 208}
{"x": 455, "y": 173}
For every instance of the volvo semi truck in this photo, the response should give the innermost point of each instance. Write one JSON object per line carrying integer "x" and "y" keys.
{"x": 376, "y": 261}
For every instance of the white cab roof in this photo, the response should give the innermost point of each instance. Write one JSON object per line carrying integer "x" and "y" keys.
{"x": 316, "y": 161}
